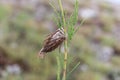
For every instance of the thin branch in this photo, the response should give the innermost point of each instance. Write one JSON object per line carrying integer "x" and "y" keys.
{"x": 65, "y": 45}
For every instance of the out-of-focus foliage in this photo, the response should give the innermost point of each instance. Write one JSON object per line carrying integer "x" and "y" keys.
{"x": 25, "y": 24}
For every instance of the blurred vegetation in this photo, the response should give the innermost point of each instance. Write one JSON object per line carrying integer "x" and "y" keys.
{"x": 95, "y": 46}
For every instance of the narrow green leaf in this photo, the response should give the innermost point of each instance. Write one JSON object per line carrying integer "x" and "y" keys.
{"x": 72, "y": 21}
{"x": 58, "y": 16}
{"x": 80, "y": 25}
{"x": 75, "y": 67}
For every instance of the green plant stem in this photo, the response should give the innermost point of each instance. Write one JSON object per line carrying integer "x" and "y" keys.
{"x": 61, "y": 8}
{"x": 65, "y": 45}
{"x": 59, "y": 67}
{"x": 65, "y": 62}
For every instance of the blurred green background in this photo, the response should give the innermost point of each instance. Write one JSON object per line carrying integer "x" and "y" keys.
{"x": 24, "y": 24}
